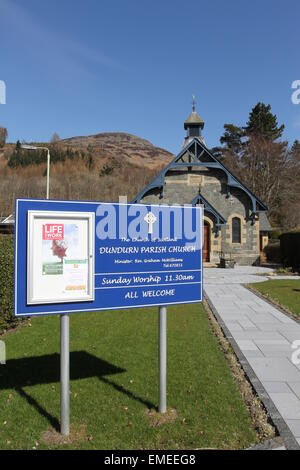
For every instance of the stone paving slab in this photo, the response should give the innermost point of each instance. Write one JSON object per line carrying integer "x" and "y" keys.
{"x": 247, "y": 345}
{"x": 252, "y": 353}
{"x": 288, "y": 404}
{"x": 234, "y": 326}
{"x": 256, "y": 334}
{"x": 295, "y": 387}
{"x": 294, "y": 425}
{"x": 274, "y": 368}
{"x": 276, "y": 387}
{"x": 262, "y": 333}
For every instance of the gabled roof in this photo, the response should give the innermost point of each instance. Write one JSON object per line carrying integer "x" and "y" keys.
{"x": 264, "y": 224}
{"x": 199, "y": 199}
{"x": 200, "y": 156}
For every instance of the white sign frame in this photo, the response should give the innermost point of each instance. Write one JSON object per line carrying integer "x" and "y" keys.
{"x": 49, "y": 216}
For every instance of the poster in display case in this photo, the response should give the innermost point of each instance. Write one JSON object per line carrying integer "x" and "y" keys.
{"x": 60, "y": 257}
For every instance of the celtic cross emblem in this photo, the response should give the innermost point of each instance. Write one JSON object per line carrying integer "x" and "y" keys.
{"x": 150, "y": 219}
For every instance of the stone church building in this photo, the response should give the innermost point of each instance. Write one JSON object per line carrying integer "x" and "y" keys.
{"x": 235, "y": 223}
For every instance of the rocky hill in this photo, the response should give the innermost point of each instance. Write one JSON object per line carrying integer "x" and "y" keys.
{"x": 126, "y": 148}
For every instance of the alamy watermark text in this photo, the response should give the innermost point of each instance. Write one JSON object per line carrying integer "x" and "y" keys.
{"x": 2, "y": 92}
{"x": 2, "y": 352}
{"x": 296, "y": 94}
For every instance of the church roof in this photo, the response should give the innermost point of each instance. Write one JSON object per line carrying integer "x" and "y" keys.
{"x": 200, "y": 156}
{"x": 193, "y": 119}
{"x": 208, "y": 207}
{"x": 264, "y": 224}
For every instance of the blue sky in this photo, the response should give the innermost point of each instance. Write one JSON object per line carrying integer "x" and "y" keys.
{"x": 84, "y": 67}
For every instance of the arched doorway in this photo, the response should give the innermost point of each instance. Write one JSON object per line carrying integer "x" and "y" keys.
{"x": 206, "y": 242}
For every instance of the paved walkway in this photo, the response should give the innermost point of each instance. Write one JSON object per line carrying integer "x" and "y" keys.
{"x": 263, "y": 334}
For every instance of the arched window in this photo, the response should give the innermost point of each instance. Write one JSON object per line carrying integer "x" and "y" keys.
{"x": 236, "y": 230}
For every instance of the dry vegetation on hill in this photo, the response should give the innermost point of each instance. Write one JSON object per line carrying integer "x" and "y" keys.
{"x": 103, "y": 167}
{"x": 121, "y": 146}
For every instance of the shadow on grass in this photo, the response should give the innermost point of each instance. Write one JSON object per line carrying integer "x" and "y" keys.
{"x": 30, "y": 371}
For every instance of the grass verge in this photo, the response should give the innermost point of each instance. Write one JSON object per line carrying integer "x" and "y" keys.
{"x": 284, "y": 293}
{"x": 114, "y": 384}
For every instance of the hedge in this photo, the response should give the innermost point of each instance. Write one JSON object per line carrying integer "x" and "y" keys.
{"x": 7, "y": 320}
{"x": 272, "y": 251}
{"x": 290, "y": 249}
{"x": 275, "y": 235}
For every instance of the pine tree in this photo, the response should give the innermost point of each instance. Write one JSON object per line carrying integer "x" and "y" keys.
{"x": 295, "y": 149}
{"x": 295, "y": 152}
{"x": 263, "y": 123}
{"x": 55, "y": 138}
{"x": 232, "y": 137}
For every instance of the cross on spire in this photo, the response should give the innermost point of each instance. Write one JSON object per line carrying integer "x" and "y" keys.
{"x": 193, "y": 125}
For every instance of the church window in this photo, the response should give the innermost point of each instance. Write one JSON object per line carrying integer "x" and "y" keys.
{"x": 236, "y": 230}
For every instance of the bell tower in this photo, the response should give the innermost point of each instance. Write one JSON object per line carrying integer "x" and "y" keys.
{"x": 193, "y": 125}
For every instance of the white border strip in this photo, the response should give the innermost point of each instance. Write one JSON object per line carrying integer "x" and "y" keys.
{"x": 128, "y": 307}
{"x": 180, "y": 206}
{"x": 151, "y": 272}
{"x": 150, "y": 285}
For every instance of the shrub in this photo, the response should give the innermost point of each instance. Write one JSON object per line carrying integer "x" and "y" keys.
{"x": 6, "y": 282}
{"x": 272, "y": 251}
{"x": 275, "y": 234}
{"x": 290, "y": 249}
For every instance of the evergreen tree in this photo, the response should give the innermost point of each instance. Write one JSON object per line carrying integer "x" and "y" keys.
{"x": 232, "y": 137}
{"x": 295, "y": 152}
{"x": 263, "y": 123}
{"x": 55, "y": 138}
{"x": 295, "y": 149}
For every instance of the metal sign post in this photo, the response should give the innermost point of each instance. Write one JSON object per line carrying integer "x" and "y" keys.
{"x": 64, "y": 375}
{"x": 162, "y": 359}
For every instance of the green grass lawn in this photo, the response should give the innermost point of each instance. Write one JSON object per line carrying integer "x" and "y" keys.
{"x": 114, "y": 381}
{"x": 285, "y": 292}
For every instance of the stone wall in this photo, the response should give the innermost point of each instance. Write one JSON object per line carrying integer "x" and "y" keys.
{"x": 181, "y": 186}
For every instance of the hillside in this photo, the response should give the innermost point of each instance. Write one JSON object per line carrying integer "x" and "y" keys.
{"x": 120, "y": 145}
{"x": 95, "y": 167}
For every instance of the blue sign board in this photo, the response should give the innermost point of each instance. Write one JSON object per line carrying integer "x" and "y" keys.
{"x": 87, "y": 256}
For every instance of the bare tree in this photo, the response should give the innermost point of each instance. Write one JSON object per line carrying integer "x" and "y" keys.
{"x": 272, "y": 172}
{"x": 265, "y": 165}
{"x": 3, "y": 136}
